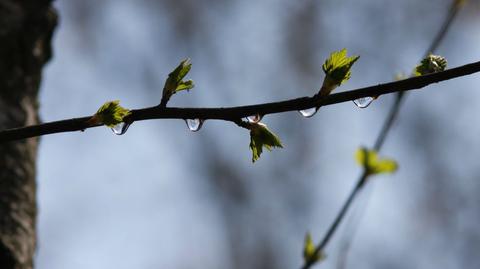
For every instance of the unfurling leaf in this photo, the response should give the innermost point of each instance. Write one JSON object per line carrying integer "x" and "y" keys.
{"x": 373, "y": 164}
{"x": 110, "y": 114}
{"x": 261, "y": 137}
{"x": 337, "y": 69}
{"x": 431, "y": 64}
{"x": 175, "y": 83}
{"x": 309, "y": 250}
{"x": 185, "y": 85}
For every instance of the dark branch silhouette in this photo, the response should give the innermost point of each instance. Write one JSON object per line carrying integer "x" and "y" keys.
{"x": 235, "y": 114}
{"x": 388, "y": 123}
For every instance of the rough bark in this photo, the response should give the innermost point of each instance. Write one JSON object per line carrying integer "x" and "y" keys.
{"x": 26, "y": 28}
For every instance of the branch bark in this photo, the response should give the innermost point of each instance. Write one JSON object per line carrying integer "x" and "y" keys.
{"x": 234, "y": 114}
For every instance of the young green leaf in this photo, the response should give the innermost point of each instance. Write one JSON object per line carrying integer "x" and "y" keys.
{"x": 431, "y": 64}
{"x": 337, "y": 69}
{"x": 175, "y": 83}
{"x": 309, "y": 250}
{"x": 184, "y": 85}
{"x": 373, "y": 164}
{"x": 261, "y": 137}
{"x": 110, "y": 114}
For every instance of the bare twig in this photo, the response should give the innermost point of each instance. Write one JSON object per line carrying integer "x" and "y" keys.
{"x": 453, "y": 11}
{"x": 337, "y": 221}
{"x": 233, "y": 114}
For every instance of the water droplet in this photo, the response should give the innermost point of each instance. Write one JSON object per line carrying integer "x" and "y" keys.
{"x": 194, "y": 125}
{"x": 254, "y": 118}
{"x": 120, "y": 128}
{"x": 309, "y": 112}
{"x": 363, "y": 102}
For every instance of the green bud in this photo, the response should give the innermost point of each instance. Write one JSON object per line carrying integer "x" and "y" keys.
{"x": 309, "y": 250}
{"x": 174, "y": 83}
{"x": 431, "y": 64}
{"x": 337, "y": 69}
{"x": 373, "y": 164}
{"x": 110, "y": 114}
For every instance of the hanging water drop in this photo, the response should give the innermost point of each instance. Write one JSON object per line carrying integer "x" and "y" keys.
{"x": 255, "y": 118}
{"x": 120, "y": 128}
{"x": 363, "y": 102}
{"x": 309, "y": 112}
{"x": 194, "y": 125}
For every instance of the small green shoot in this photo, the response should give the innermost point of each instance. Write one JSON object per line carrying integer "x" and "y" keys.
{"x": 373, "y": 164}
{"x": 309, "y": 254}
{"x": 430, "y": 64}
{"x": 261, "y": 137}
{"x": 110, "y": 114}
{"x": 337, "y": 70}
{"x": 175, "y": 83}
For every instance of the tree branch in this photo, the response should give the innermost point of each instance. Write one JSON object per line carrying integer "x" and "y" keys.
{"x": 388, "y": 123}
{"x": 235, "y": 113}
{"x": 337, "y": 221}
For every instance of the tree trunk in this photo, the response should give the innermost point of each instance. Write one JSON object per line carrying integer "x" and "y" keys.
{"x": 26, "y": 28}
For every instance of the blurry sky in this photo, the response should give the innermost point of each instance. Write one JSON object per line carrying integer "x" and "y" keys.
{"x": 161, "y": 196}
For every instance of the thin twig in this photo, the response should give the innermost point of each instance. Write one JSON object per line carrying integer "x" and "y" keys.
{"x": 234, "y": 113}
{"x": 453, "y": 11}
{"x": 336, "y": 222}
{"x": 388, "y": 123}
